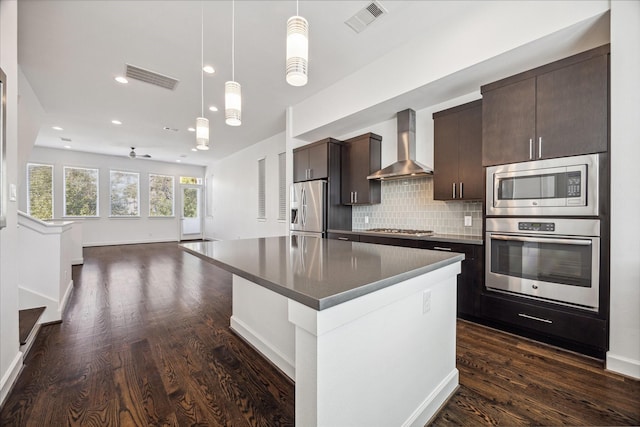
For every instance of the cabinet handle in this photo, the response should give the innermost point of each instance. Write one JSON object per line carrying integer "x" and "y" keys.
{"x": 355, "y": 197}
{"x": 539, "y": 319}
{"x": 453, "y": 192}
{"x": 440, "y": 248}
{"x": 310, "y": 173}
{"x": 343, "y": 238}
{"x": 540, "y": 147}
{"x": 530, "y": 148}
{"x": 351, "y": 197}
{"x": 461, "y": 190}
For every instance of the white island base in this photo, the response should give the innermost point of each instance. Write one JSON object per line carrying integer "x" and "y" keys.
{"x": 387, "y": 358}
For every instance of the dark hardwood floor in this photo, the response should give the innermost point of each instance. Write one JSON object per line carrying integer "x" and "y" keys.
{"x": 145, "y": 341}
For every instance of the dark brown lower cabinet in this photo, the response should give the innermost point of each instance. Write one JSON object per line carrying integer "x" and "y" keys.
{"x": 576, "y": 330}
{"x": 470, "y": 279}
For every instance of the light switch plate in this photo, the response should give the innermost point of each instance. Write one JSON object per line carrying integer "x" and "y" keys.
{"x": 467, "y": 221}
{"x": 12, "y": 193}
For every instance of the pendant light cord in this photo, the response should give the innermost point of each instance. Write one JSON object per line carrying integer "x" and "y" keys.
{"x": 201, "y": 59}
{"x": 297, "y": 11}
{"x": 233, "y": 40}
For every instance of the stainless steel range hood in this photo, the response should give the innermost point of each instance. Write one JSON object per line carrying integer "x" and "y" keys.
{"x": 406, "y": 166}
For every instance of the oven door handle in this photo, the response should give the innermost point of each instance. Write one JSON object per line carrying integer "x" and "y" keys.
{"x": 575, "y": 242}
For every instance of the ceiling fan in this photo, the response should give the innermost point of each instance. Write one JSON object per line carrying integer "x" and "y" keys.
{"x": 133, "y": 154}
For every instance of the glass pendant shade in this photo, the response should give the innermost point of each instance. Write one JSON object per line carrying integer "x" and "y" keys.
{"x": 297, "y": 50}
{"x": 202, "y": 133}
{"x": 232, "y": 103}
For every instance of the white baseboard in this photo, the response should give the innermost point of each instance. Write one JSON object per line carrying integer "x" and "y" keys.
{"x": 267, "y": 350}
{"x": 77, "y": 261}
{"x": 128, "y": 242}
{"x": 436, "y": 400}
{"x": 10, "y": 377}
{"x": 623, "y": 365}
{"x": 30, "y": 340}
{"x": 65, "y": 299}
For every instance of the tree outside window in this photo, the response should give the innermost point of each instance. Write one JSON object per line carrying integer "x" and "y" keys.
{"x": 40, "y": 191}
{"x": 124, "y": 193}
{"x": 80, "y": 192}
{"x": 160, "y": 195}
{"x": 190, "y": 203}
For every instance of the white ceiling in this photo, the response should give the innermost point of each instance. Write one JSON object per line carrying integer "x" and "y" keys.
{"x": 70, "y": 52}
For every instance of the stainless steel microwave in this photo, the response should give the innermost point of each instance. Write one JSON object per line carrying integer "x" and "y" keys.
{"x": 566, "y": 186}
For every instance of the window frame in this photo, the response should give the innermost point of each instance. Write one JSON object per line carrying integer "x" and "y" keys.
{"x": 64, "y": 192}
{"x": 282, "y": 186}
{"x": 137, "y": 175}
{"x": 173, "y": 196}
{"x": 262, "y": 191}
{"x": 29, "y": 188}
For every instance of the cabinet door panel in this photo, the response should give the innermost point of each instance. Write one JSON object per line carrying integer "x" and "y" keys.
{"x": 572, "y": 109}
{"x": 445, "y": 157}
{"x": 508, "y": 122}
{"x": 300, "y": 165}
{"x": 470, "y": 170}
{"x": 318, "y": 161}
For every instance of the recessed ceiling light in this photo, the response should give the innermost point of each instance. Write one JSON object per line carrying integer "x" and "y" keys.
{"x": 116, "y": 122}
{"x": 178, "y": 160}
{"x": 121, "y": 79}
{"x": 213, "y": 108}
{"x": 191, "y": 129}
{"x": 194, "y": 149}
{"x": 67, "y": 146}
{"x": 56, "y": 128}
{"x": 208, "y": 69}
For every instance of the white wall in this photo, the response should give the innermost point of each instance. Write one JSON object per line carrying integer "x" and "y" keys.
{"x": 624, "y": 337}
{"x": 112, "y": 231}
{"x": 10, "y": 355}
{"x": 234, "y": 192}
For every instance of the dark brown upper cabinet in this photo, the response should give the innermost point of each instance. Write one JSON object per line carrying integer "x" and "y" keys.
{"x": 361, "y": 156}
{"x": 311, "y": 161}
{"x": 560, "y": 109}
{"x": 458, "y": 172}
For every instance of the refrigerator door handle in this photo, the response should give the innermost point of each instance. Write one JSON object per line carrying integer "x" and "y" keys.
{"x": 303, "y": 207}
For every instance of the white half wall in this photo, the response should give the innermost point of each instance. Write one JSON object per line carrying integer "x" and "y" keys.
{"x": 234, "y": 193}
{"x": 624, "y": 335}
{"x": 114, "y": 231}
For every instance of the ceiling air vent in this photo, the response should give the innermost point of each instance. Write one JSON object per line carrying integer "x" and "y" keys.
{"x": 65, "y": 139}
{"x": 366, "y": 16}
{"x": 151, "y": 77}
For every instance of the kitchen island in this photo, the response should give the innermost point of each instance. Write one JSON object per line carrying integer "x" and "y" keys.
{"x": 367, "y": 332}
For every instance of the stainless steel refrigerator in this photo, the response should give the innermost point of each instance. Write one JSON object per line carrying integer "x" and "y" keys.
{"x": 308, "y": 202}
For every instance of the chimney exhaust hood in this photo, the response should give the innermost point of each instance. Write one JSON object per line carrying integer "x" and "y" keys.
{"x": 406, "y": 166}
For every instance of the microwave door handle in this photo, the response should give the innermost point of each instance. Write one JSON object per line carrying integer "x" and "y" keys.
{"x": 542, "y": 240}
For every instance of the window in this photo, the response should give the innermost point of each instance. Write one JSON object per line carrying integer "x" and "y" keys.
{"x": 80, "y": 192}
{"x": 261, "y": 196}
{"x": 282, "y": 186}
{"x": 160, "y": 195}
{"x": 190, "y": 180}
{"x": 125, "y": 197}
{"x": 40, "y": 191}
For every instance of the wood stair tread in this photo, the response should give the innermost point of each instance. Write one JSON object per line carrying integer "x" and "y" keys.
{"x": 27, "y": 320}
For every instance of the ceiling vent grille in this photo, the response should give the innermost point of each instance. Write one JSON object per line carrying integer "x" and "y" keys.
{"x": 151, "y": 77}
{"x": 366, "y": 16}
{"x": 65, "y": 139}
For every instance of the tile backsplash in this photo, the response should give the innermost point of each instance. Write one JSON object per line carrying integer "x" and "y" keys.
{"x": 408, "y": 203}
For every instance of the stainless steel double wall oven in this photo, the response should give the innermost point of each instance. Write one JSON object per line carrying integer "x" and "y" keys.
{"x": 543, "y": 230}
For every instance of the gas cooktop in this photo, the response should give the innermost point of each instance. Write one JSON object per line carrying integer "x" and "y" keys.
{"x": 417, "y": 233}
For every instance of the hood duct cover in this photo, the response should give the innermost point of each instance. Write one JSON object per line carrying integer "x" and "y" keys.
{"x": 406, "y": 166}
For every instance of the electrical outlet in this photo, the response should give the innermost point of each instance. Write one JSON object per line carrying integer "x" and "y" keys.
{"x": 426, "y": 301}
{"x": 366, "y": 220}
{"x": 467, "y": 221}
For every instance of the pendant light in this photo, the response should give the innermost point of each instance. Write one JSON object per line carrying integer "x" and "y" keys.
{"x": 232, "y": 90}
{"x": 202, "y": 124}
{"x": 297, "y": 50}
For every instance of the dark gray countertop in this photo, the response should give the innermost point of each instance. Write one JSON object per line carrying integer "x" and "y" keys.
{"x": 450, "y": 238}
{"x": 320, "y": 273}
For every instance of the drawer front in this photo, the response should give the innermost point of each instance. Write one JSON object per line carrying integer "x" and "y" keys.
{"x": 549, "y": 321}
{"x": 393, "y": 241}
{"x": 467, "y": 250}
{"x": 347, "y": 237}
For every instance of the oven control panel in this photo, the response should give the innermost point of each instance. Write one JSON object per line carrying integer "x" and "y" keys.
{"x": 537, "y": 226}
